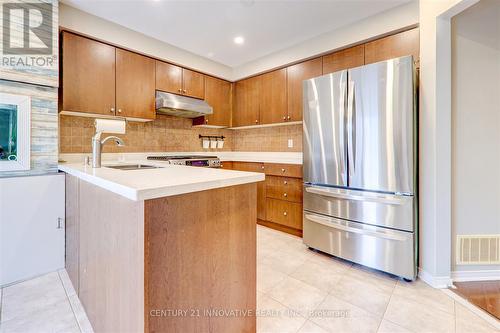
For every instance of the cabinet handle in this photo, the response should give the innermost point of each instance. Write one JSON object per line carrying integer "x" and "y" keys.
{"x": 289, "y": 118}
{"x": 112, "y": 110}
{"x": 256, "y": 121}
{"x": 180, "y": 90}
{"x": 285, "y": 213}
{"x": 285, "y": 182}
{"x": 206, "y": 121}
{"x": 285, "y": 195}
{"x": 119, "y": 110}
{"x": 59, "y": 223}
{"x": 184, "y": 91}
{"x": 284, "y": 117}
{"x": 262, "y": 167}
{"x": 283, "y": 170}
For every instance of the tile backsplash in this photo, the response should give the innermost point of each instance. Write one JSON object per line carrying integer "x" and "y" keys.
{"x": 169, "y": 133}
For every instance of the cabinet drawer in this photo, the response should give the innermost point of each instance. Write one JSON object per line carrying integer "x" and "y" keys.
{"x": 284, "y": 212}
{"x": 284, "y": 188}
{"x": 226, "y": 165}
{"x": 248, "y": 166}
{"x": 288, "y": 170}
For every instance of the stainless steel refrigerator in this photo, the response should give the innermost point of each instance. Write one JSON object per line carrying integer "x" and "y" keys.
{"x": 360, "y": 165}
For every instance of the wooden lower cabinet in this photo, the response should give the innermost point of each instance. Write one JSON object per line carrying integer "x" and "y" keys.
{"x": 279, "y": 198}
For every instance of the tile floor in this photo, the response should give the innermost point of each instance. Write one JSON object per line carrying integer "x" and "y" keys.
{"x": 298, "y": 291}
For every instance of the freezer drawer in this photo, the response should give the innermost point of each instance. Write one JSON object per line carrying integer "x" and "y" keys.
{"x": 380, "y": 248}
{"x": 384, "y": 210}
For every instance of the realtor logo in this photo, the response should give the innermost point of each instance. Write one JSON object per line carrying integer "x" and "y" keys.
{"x": 27, "y": 28}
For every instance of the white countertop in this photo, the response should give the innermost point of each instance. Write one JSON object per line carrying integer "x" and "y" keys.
{"x": 169, "y": 180}
{"x": 266, "y": 157}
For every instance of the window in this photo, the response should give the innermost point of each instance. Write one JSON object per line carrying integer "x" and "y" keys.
{"x": 15, "y": 125}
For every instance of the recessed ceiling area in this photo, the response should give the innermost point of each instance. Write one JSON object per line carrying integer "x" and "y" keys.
{"x": 209, "y": 28}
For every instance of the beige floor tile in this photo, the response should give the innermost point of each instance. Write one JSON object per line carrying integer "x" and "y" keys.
{"x": 52, "y": 318}
{"x": 323, "y": 258}
{"x": 366, "y": 290}
{"x": 388, "y": 327}
{"x": 337, "y": 315}
{"x": 424, "y": 294}
{"x": 283, "y": 261}
{"x": 297, "y": 295}
{"x": 324, "y": 276}
{"x": 417, "y": 317}
{"x": 310, "y": 327}
{"x": 382, "y": 280}
{"x": 274, "y": 317}
{"x": 29, "y": 296}
{"x": 267, "y": 278}
{"x": 468, "y": 322}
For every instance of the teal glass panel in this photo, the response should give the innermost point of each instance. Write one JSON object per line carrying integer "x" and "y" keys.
{"x": 8, "y": 132}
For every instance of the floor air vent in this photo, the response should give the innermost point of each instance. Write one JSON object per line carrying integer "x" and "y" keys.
{"x": 478, "y": 249}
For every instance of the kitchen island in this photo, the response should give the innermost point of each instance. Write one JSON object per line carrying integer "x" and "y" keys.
{"x": 170, "y": 249}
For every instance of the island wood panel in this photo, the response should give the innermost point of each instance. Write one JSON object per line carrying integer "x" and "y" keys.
{"x": 261, "y": 186}
{"x": 201, "y": 259}
{"x": 296, "y": 74}
{"x": 72, "y": 227}
{"x": 168, "y": 77}
{"x": 193, "y": 84}
{"x": 88, "y": 75}
{"x": 218, "y": 95}
{"x": 273, "y": 97}
{"x": 394, "y": 46}
{"x": 111, "y": 259}
{"x": 247, "y": 102}
{"x": 135, "y": 85}
{"x": 344, "y": 59}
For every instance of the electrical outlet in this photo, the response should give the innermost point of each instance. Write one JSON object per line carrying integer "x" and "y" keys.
{"x": 290, "y": 143}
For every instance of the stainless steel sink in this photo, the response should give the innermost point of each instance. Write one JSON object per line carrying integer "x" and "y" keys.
{"x": 132, "y": 166}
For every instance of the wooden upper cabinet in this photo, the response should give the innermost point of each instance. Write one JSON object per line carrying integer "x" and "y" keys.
{"x": 296, "y": 74}
{"x": 88, "y": 75}
{"x": 247, "y": 102}
{"x": 193, "y": 84}
{"x": 168, "y": 77}
{"x": 135, "y": 85}
{"x": 394, "y": 46}
{"x": 273, "y": 103}
{"x": 344, "y": 59}
{"x": 218, "y": 96}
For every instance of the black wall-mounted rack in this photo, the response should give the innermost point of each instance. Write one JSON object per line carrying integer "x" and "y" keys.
{"x": 211, "y": 137}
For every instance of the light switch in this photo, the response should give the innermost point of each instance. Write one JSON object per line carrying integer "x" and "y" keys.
{"x": 290, "y": 143}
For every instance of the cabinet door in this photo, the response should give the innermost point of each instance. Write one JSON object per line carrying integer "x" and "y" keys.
{"x": 296, "y": 74}
{"x": 398, "y": 45}
{"x": 193, "y": 84}
{"x": 273, "y": 97}
{"x": 135, "y": 85}
{"x": 88, "y": 75}
{"x": 168, "y": 77}
{"x": 344, "y": 59}
{"x": 247, "y": 97}
{"x": 218, "y": 96}
{"x": 285, "y": 213}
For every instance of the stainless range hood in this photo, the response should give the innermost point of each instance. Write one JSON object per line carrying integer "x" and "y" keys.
{"x": 181, "y": 106}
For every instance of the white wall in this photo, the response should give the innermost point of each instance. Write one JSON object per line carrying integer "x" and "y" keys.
{"x": 383, "y": 23}
{"x": 476, "y": 124}
{"x": 77, "y": 20}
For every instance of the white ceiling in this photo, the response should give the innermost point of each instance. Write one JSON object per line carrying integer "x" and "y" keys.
{"x": 207, "y": 28}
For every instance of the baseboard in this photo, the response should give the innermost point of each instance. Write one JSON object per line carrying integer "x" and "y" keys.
{"x": 438, "y": 282}
{"x": 484, "y": 275}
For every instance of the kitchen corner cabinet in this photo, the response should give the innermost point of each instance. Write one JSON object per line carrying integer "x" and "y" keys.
{"x": 344, "y": 59}
{"x": 88, "y": 75}
{"x": 247, "y": 102}
{"x": 178, "y": 80}
{"x": 104, "y": 80}
{"x": 296, "y": 75}
{"x": 394, "y": 46}
{"x": 218, "y": 95}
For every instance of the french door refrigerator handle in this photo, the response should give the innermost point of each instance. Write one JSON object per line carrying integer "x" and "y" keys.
{"x": 351, "y": 128}
{"x": 332, "y": 224}
{"x": 386, "y": 199}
